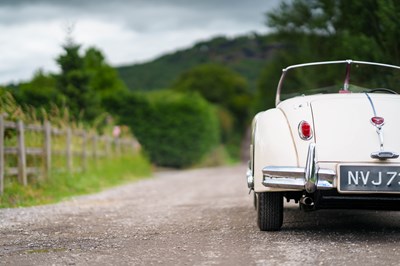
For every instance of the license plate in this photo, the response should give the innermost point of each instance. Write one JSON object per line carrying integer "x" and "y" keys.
{"x": 369, "y": 178}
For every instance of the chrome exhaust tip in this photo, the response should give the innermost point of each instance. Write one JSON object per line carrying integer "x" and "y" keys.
{"x": 307, "y": 203}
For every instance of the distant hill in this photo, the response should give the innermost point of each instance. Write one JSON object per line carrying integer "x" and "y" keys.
{"x": 246, "y": 55}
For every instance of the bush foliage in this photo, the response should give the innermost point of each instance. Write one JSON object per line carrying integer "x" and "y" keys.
{"x": 218, "y": 85}
{"x": 175, "y": 129}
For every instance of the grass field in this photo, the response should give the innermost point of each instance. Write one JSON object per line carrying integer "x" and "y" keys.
{"x": 106, "y": 173}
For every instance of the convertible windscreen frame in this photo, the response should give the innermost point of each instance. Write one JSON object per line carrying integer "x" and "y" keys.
{"x": 346, "y": 77}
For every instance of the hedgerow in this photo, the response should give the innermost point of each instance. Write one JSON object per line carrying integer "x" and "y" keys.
{"x": 175, "y": 129}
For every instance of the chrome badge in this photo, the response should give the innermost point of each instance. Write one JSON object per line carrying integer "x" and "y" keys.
{"x": 378, "y": 122}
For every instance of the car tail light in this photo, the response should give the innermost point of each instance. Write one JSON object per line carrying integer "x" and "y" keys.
{"x": 305, "y": 130}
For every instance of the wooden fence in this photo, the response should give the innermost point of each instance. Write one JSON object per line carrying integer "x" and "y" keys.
{"x": 90, "y": 146}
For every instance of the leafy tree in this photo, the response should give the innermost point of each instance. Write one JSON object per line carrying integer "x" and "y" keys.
{"x": 320, "y": 30}
{"x": 103, "y": 79}
{"x": 365, "y": 29}
{"x": 376, "y": 21}
{"x": 74, "y": 83}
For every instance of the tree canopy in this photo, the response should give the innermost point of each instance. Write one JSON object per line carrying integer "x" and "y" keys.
{"x": 321, "y": 30}
{"x": 74, "y": 83}
{"x": 84, "y": 82}
{"x": 366, "y": 29}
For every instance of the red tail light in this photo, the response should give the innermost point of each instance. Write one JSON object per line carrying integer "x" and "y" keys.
{"x": 305, "y": 130}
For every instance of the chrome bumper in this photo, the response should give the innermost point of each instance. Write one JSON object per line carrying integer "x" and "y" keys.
{"x": 250, "y": 178}
{"x": 309, "y": 178}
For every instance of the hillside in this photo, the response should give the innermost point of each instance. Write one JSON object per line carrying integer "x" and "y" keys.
{"x": 246, "y": 54}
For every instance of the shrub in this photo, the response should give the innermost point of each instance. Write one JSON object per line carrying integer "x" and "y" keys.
{"x": 175, "y": 129}
{"x": 218, "y": 85}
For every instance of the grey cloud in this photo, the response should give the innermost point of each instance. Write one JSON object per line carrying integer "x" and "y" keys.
{"x": 137, "y": 13}
{"x": 138, "y": 29}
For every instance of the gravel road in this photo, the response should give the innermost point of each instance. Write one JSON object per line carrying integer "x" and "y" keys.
{"x": 195, "y": 217}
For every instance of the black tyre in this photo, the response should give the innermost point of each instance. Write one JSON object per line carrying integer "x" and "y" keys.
{"x": 269, "y": 211}
{"x": 255, "y": 200}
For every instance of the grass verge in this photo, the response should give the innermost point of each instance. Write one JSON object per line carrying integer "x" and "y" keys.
{"x": 104, "y": 174}
{"x": 217, "y": 157}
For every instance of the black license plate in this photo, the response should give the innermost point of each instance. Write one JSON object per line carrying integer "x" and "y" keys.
{"x": 369, "y": 178}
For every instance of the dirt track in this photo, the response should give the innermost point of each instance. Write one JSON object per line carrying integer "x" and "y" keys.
{"x": 197, "y": 217}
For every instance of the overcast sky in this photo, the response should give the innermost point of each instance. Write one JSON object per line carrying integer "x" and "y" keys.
{"x": 127, "y": 31}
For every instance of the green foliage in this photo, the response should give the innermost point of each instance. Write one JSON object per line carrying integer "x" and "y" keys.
{"x": 225, "y": 89}
{"x": 40, "y": 91}
{"x": 215, "y": 83}
{"x": 109, "y": 172}
{"x": 104, "y": 79}
{"x": 82, "y": 86}
{"x": 268, "y": 84}
{"x": 321, "y": 30}
{"x": 74, "y": 84}
{"x": 218, "y": 85}
{"x": 176, "y": 130}
{"x": 365, "y": 30}
{"x": 223, "y": 70}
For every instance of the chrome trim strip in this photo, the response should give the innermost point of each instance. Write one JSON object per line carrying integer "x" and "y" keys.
{"x": 348, "y": 61}
{"x": 372, "y": 104}
{"x": 311, "y": 170}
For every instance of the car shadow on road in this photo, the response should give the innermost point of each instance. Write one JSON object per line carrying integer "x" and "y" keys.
{"x": 351, "y": 221}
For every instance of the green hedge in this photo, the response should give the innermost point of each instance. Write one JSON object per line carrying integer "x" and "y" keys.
{"x": 175, "y": 129}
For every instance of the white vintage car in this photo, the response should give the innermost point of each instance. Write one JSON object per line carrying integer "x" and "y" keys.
{"x": 333, "y": 140}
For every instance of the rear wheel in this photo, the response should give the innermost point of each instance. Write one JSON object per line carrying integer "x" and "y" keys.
{"x": 255, "y": 201}
{"x": 270, "y": 211}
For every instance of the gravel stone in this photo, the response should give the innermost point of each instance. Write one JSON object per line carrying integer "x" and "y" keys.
{"x": 191, "y": 217}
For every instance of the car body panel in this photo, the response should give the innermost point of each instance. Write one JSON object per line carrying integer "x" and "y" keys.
{"x": 271, "y": 132}
{"x": 341, "y": 122}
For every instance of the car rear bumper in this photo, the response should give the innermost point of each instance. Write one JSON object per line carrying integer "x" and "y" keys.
{"x": 295, "y": 178}
{"x": 309, "y": 178}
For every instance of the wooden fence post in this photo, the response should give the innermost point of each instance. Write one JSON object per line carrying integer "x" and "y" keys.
{"x": 121, "y": 146}
{"x": 47, "y": 148}
{"x": 94, "y": 139}
{"x": 84, "y": 151}
{"x": 2, "y": 166}
{"x": 22, "y": 176}
{"x": 68, "y": 149}
{"x": 117, "y": 146}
